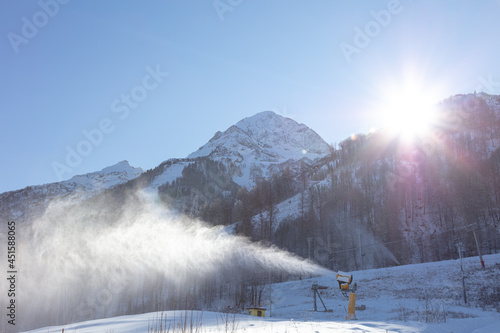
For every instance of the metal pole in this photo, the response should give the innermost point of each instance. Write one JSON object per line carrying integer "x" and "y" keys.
{"x": 314, "y": 293}
{"x": 326, "y": 310}
{"x": 270, "y": 295}
{"x": 478, "y": 250}
{"x": 460, "y": 249}
{"x": 309, "y": 239}
{"x": 360, "y": 251}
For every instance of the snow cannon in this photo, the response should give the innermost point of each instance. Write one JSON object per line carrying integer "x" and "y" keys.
{"x": 345, "y": 280}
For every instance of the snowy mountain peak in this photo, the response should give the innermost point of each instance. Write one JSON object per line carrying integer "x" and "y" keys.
{"x": 260, "y": 141}
{"x": 268, "y": 134}
{"x": 122, "y": 167}
{"x": 261, "y": 117}
{"x": 269, "y": 128}
{"x": 264, "y": 121}
{"x": 75, "y": 189}
{"x": 108, "y": 177}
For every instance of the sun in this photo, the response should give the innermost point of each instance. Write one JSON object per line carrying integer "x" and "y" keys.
{"x": 408, "y": 109}
{"x": 409, "y": 113}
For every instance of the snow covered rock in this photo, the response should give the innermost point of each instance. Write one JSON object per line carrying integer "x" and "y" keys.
{"x": 257, "y": 143}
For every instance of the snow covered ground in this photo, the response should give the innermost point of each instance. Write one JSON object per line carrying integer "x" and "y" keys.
{"x": 413, "y": 298}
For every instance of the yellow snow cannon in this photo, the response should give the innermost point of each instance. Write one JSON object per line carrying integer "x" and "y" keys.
{"x": 345, "y": 283}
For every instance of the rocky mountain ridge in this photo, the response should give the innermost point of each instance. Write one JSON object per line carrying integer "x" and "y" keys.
{"x": 31, "y": 202}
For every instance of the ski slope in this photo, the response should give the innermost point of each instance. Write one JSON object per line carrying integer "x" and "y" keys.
{"x": 421, "y": 298}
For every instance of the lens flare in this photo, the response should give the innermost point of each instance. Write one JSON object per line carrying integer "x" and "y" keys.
{"x": 408, "y": 107}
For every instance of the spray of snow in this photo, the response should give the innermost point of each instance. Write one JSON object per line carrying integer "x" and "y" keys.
{"x": 77, "y": 262}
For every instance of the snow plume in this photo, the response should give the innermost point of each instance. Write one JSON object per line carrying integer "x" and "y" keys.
{"x": 373, "y": 252}
{"x": 113, "y": 256}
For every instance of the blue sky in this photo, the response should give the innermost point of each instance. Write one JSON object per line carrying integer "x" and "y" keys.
{"x": 100, "y": 68}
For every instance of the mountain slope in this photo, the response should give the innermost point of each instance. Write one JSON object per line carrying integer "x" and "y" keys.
{"x": 253, "y": 149}
{"x": 31, "y": 202}
{"x": 378, "y": 195}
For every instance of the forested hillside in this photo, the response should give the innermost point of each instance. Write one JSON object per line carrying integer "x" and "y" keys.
{"x": 375, "y": 200}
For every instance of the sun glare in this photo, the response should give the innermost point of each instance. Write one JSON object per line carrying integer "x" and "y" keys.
{"x": 408, "y": 110}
